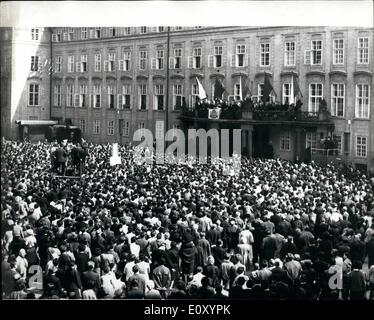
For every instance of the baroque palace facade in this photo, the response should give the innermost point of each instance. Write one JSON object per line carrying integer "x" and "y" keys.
{"x": 111, "y": 81}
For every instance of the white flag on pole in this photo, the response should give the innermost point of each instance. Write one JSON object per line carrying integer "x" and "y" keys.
{"x": 292, "y": 96}
{"x": 202, "y": 93}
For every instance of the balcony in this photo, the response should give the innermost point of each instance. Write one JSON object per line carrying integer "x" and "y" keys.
{"x": 247, "y": 112}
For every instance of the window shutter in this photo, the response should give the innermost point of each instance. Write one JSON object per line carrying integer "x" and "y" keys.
{"x": 210, "y": 61}
{"x": 54, "y": 37}
{"x": 307, "y": 57}
{"x": 92, "y": 33}
{"x": 233, "y": 60}
{"x": 171, "y": 63}
{"x": 153, "y": 63}
{"x": 76, "y": 100}
{"x": 121, "y": 65}
{"x": 190, "y": 62}
{"x": 224, "y": 58}
{"x": 106, "y": 65}
{"x": 190, "y": 101}
{"x": 91, "y": 101}
{"x": 77, "y": 66}
{"x": 246, "y": 60}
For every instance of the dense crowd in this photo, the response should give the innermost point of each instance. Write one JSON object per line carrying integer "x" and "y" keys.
{"x": 278, "y": 230}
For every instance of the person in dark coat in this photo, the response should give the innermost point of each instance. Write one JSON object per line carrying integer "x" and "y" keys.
{"x": 173, "y": 260}
{"x": 269, "y": 246}
{"x": 188, "y": 255}
{"x": 370, "y": 251}
{"x": 61, "y": 155}
{"x": 73, "y": 280}
{"x": 91, "y": 276}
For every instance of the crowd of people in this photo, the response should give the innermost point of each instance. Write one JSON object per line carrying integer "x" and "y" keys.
{"x": 278, "y": 230}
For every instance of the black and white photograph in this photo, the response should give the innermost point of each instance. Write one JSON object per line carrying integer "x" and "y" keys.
{"x": 224, "y": 159}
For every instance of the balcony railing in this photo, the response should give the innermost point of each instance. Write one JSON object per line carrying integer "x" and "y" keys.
{"x": 272, "y": 112}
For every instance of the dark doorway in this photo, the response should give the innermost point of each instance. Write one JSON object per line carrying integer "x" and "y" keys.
{"x": 261, "y": 142}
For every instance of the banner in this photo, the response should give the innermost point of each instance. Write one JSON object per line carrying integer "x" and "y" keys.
{"x": 214, "y": 113}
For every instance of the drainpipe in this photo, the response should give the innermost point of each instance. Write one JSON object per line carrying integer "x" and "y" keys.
{"x": 167, "y": 81}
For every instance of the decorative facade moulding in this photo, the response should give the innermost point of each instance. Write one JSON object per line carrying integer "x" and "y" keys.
{"x": 57, "y": 78}
{"x": 97, "y": 78}
{"x": 158, "y": 76}
{"x": 141, "y": 77}
{"x": 337, "y": 73}
{"x": 315, "y": 73}
{"x": 239, "y": 74}
{"x": 110, "y": 77}
{"x": 194, "y": 75}
{"x": 35, "y": 77}
{"x": 177, "y": 76}
{"x": 262, "y": 74}
{"x": 216, "y": 74}
{"x": 289, "y": 73}
{"x": 82, "y": 78}
{"x": 69, "y": 78}
{"x": 126, "y": 78}
{"x": 362, "y": 73}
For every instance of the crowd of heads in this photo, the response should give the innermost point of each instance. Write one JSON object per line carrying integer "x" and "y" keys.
{"x": 278, "y": 230}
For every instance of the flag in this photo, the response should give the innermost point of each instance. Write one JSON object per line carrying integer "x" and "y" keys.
{"x": 268, "y": 88}
{"x": 296, "y": 88}
{"x": 202, "y": 93}
{"x": 218, "y": 89}
{"x": 244, "y": 90}
{"x": 292, "y": 95}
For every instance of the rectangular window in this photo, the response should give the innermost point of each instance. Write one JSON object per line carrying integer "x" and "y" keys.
{"x": 158, "y": 63}
{"x": 97, "y": 62}
{"x": 82, "y": 125}
{"x": 178, "y": 28}
{"x": 112, "y": 32}
{"x": 84, "y": 34}
{"x": 362, "y": 101}
{"x": 69, "y": 95}
{"x": 177, "y": 96}
{"x": 83, "y": 65}
{"x": 97, "y": 32}
{"x": 59, "y": 35}
{"x": 194, "y": 95}
{"x": 97, "y": 96}
{"x": 71, "y": 34}
{"x": 126, "y": 61}
{"x": 363, "y": 50}
{"x": 338, "y": 51}
{"x": 126, "y": 97}
{"x": 110, "y": 127}
{"x": 143, "y": 29}
{"x": 161, "y": 29}
{"x": 33, "y": 94}
{"x": 70, "y": 63}
{"x": 197, "y": 54}
{"x": 286, "y": 96}
{"x": 337, "y": 99}
{"x": 127, "y": 30}
{"x": 111, "y": 61}
{"x": 159, "y": 97}
{"x": 315, "y": 96}
{"x": 83, "y": 92}
{"x": 265, "y": 55}
{"x": 361, "y": 146}
{"x": 126, "y": 129}
{"x": 316, "y": 54}
{"x": 96, "y": 127}
{"x": 34, "y": 63}
{"x": 290, "y": 53}
{"x": 239, "y": 59}
{"x": 57, "y": 95}
{"x": 143, "y": 97}
{"x": 143, "y": 60}
{"x": 177, "y": 60}
{"x": 311, "y": 141}
{"x": 35, "y": 34}
{"x": 218, "y": 50}
{"x": 111, "y": 97}
{"x": 285, "y": 141}
{"x": 237, "y": 91}
{"x": 58, "y": 62}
